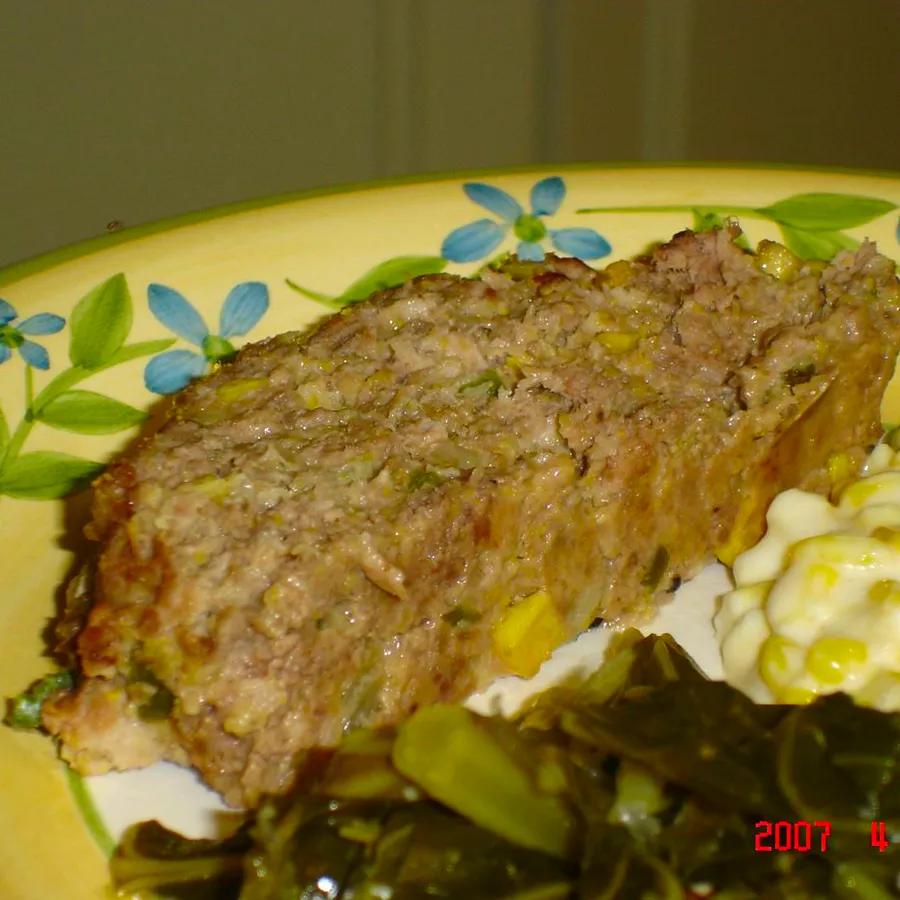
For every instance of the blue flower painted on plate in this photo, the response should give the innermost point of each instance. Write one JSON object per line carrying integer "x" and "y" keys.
{"x": 169, "y": 372}
{"x": 477, "y": 239}
{"x": 13, "y": 337}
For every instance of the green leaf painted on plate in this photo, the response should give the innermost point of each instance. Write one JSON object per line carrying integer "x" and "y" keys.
{"x": 46, "y": 475}
{"x": 139, "y": 349}
{"x": 708, "y": 219}
{"x": 392, "y": 272}
{"x": 816, "y": 244}
{"x": 387, "y": 274}
{"x": 327, "y": 299}
{"x": 86, "y": 412}
{"x": 90, "y": 816}
{"x": 826, "y": 212}
{"x": 100, "y": 323}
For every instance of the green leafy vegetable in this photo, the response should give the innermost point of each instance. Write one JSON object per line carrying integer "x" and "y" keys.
{"x": 639, "y": 799}
{"x": 24, "y": 710}
{"x": 46, "y": 475}
{"x": 316, "y": 848}
{"x": 643, "y": 780}
{"x": 87, "y": 412}
{"x": 852, "y": 749}
{"x": 100, "y": 323}
{"x": 152, "y": 858}
{"x": 454, "y": 756}
{"x": 360, "y": 769}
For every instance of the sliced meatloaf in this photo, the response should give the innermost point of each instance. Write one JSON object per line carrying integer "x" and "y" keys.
{"x": 441, "y": 483}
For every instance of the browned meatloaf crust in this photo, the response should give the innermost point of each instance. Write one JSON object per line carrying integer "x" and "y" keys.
{"x": 325, "y": 532}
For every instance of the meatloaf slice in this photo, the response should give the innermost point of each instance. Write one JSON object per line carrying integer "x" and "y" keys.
{"x": 442, "y": 482}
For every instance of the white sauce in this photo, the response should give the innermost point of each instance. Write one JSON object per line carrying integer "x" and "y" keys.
{"x": 816, "y": 607}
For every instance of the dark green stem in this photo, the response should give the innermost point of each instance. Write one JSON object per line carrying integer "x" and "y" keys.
{"x": 23, "y": 429}
{"x": 59, "y": 385}
{"x": 27, "y": 423}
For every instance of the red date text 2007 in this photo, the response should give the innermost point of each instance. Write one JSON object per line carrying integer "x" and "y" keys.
{"x": 803, "y": 837}
{"x": 800, "y": 837}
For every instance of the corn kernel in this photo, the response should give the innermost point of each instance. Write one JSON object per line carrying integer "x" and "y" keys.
{"x": 527, "y": 633}
{"x": 776, "y": 260}
{"x": 618, "y": 341}
{"x": 889, "y": 536}
{"x": 861, "y": 491}
{"x": 830, "y": 660}
{"x": 820, "y": 578}
{"x": 618, "y": 273}
{"x": 273, "y": 597}
{"x": 840, "y": 468}
{"x": 885, "y": 591}
{"x": 837, "y": 549}
{"x": 742, "y": 531}
{"x": 775, "y": 664}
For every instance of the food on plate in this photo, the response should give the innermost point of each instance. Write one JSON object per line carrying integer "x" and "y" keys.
{"x": 643, "y": 780}
{"x": 816, "y": 608}
{"x": 443, "y": 483}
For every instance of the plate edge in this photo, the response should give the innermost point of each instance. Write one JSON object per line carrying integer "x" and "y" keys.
{"x": 17, "y": 271}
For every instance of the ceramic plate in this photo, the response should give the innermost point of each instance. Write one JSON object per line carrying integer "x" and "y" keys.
{"x": 91, "y": 336}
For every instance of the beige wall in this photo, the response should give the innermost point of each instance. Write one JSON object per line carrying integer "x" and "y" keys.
{"x": 134, "y": 110}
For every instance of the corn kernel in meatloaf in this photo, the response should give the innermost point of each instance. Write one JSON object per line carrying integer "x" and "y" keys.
{"x": 338, "y": 528}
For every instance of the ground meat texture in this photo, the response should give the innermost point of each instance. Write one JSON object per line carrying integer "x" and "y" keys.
{"x": 326, "y": 532}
